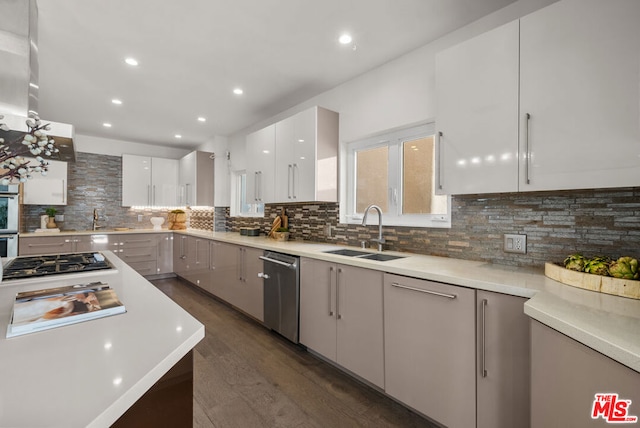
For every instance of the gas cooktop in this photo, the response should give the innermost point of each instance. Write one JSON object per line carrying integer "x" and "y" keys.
{"x": 33, "y": 266}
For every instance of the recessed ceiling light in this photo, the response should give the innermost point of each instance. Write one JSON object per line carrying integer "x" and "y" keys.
{"x": 345, "y": 39}
{"x": 131, "y": 61}
{"x": 178, "y": 136}
{"x": 116, "y": 101}
{"x": 238, "y": 91}
{"x": 106, "y": 125}
{"x": 202, "y": 119}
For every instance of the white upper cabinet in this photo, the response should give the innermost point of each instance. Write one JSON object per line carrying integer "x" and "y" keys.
{"x": 50, "y": 189}
{"x": 164, "y": 182}
{"x": 148, "y": 181}
{"x": 571, "y": 118}
{"x": 196, "y": 179}
{"x": 579, "y": 82}
{"x": 261, "y": 165}
{"x": 307, "y": 157}
{"x": 477, "y": 95}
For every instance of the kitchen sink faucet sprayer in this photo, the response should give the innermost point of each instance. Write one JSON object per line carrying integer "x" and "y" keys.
{"x": 380, "y": 240}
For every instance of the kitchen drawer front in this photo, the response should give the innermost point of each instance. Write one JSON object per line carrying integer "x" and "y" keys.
{"x": 144, "y": 268}
{"x": 138, "y": 254}
{"x": 44, "y": 245}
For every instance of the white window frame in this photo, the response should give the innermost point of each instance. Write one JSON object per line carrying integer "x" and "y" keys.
{"x": 255, "y": 210}
{"x": 394, "y": 217}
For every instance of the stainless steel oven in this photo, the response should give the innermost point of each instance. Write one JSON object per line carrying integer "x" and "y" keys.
{"x": 9, "y": 220}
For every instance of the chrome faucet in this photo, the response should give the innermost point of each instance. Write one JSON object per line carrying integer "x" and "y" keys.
{"x": 95, "y": 219}
{"x": 380, "y": 240}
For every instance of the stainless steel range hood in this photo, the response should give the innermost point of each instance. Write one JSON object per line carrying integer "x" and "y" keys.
{"x": 19, "y": 81}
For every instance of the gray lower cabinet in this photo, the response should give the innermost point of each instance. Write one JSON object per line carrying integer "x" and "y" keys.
{"x": 165, "y": 253}
{"x": 430, "y": 348}
{"x": 138, "y": 250}
{"x": 503, "y": 361}
{"x": 565, "y": 378}
{"x": 341, "y": 316}
{"x": 36, "y": 245}
{"x": 180, "y": 249}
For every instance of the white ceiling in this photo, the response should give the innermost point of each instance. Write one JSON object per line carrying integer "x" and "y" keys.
{"x": 192, "y": 54}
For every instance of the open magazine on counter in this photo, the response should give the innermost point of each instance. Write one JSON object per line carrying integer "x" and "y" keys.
{"x": 54, "y": 307}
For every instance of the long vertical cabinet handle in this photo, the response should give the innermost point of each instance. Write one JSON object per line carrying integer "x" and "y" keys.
{"x": 527, "y": 149}
{"x": 212, "y": 248}
{"x": 289, "y": 179}
{"x": 484, "y": 333}
{"x": 338, "y": 314}
{"x": 186, "y": 186}
{"x": 197, "y": 260}
{"x": 64, "y": 193}
{"x": 153, "y": 201}
{"x": 148, "y": 194}
{"x": 293, "y": 180}
{"x": 440, "y": 156}
{"x": 182, "y": 254}
{"x": 244, "y": 265}
{"x": 331, "y": 276}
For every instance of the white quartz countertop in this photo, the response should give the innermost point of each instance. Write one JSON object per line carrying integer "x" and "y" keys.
{"x": 608, "y": 324}
{"x": 89, "y": 374}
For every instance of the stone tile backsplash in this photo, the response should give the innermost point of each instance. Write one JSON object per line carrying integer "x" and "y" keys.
{"x": 95, "y": 181}
{"x": 601, "y": 221}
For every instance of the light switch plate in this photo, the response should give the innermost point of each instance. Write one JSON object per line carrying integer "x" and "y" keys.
{"x": 515, "y": 243}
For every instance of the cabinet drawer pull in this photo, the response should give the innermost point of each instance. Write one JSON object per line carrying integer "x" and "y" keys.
{"x": 139, "y": 240}
{"x": 49, "y": 245}
{"x": 484, "y": 330}
{"x": 435, "y": 293}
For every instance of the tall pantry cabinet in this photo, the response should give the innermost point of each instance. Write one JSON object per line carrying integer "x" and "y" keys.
{"x": 548, "y": 102}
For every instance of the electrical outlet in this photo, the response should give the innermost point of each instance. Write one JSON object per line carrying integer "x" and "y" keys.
{"x": 515, "y": 243}
{"x": 140, "y": 217}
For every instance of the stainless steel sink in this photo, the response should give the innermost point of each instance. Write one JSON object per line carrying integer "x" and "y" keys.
{"x": 381, "y": 257}
{"x": 364, "y": 255}
{"x": 347, "y": 252}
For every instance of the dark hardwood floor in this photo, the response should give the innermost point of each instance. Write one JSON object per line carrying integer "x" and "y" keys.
{"x": 247, "y": 376}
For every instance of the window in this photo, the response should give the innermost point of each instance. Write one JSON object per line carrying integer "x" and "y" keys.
{"x": 239, "y": 205}
{"x": 396, "y": 171}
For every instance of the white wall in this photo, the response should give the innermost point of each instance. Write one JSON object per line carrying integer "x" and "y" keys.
{"x": 105, "y": 146}
{"x": 399, "y": 93}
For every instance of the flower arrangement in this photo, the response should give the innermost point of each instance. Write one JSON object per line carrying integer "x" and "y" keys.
{"x": 35, "y": 142}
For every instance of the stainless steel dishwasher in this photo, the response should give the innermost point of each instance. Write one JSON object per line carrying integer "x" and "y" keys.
{"x": 281, "y": 274}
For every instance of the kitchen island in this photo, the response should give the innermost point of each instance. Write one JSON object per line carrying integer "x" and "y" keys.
{"x": 90, "y": 374}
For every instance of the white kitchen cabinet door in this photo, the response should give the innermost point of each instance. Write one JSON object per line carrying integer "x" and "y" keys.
{"x": 50, "y": 189}
{"x": 477, "y": 114}
{"x": 306, "y": 156}
{"x": 196, "y": 179}
{"x": 429, "y": 342}
{"x": 261, "y": 165}
{"x": 503, "y": 361}
{"x": 136, "y": 180}
{"x": 164, "y": 182}
{"x": 579, "y": 82}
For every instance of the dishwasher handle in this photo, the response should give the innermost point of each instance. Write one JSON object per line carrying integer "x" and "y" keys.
{"x": 278, "y": 262}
